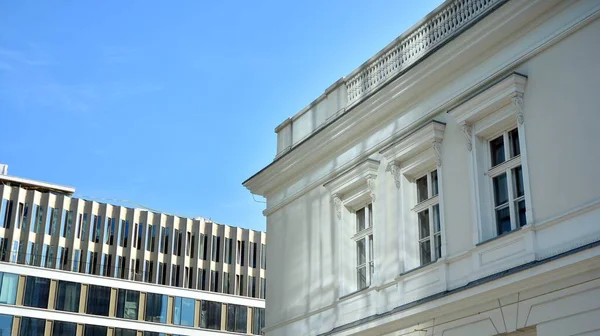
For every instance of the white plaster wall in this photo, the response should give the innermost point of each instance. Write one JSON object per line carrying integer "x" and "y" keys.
{"x": 562, "y": 113}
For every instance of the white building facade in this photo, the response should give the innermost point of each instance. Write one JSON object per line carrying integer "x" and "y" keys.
{"x": 449, "y": 185}
{"x": 70, "y": 266}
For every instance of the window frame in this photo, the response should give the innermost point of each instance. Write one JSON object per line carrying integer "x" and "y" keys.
{"x": 366, "y": 235}
{"x": 428, "y": 204}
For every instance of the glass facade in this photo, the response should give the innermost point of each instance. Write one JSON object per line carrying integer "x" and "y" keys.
{"x": 36, "y": 292}
{"x": 128, "y": 304}
{"x": 6, "y": 322}
{"x": 125, "y": 332}
{"x": 258, "y": 320}
{"x": 8, "y": 288}
{"x": 93, "y": 330}
{"x": 184, "y": 310}
{"x": 156, "y": 308}
{"x": 210, "y": 315}
{"x": 60, "y": 328}
{"x": 67, "y": 296}
{"x": 98, "y": 300}
{"x": 32, "y": 326}
{"x": 237, "y": 318}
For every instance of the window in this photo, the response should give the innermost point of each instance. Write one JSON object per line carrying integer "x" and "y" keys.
{"x": 125, "y": 332}
{"x": 227, "y": 283}
{"x": 203, "y": 246}
{"x": 25, "y": 221}
{"x": 240, "y": 283}
{"x": 214, "y": 281}
{"x": 125, "y": 236}
{"x": 32, "y": 326}
{"x": 253, "y": 257}
{"x": 428, "y": 218}
{"x": 188, "y": 244}
{"x": 201, "y": 279}
{"x": 93, "y": 225}
{"x": 251, "y": 286}
{"x": 263, "y": 256}
{"x": 216, "y": 248}
{"x": 8, "y": 288}
{"x": 5, "y": 213}
{"x": 496, "y": 144}
{"x": 506, "y": 175}
{"x": 6, "y": 322}
{"x": 78, "y": 226}
{"x": 237, "y": 318}
{"x": 84, "y": 227}
{"x": 36, "y": 292}
{"x": 69, "y": 229}
{"x": 139, "y": 237}
{"x": 60, "y": 328}
{"x": 40, "y": 220}
{"x": 258, "y": 320}
{"x": 263, "y": 288}
{"x": 156, "y": 308}
{"x": 228, "y": 250}
{"x": 184, "y": 310}
{"x": 128, "y": 304}
{"x": 93, "y": 330}
{"x": 76, "y": 260}
{"x": 98, "y": 300}
{"x": 4, "y": 249}
{"x": 210, "y": 315}
{"x": 67, "y": 296}
{"x": 364, "y": 246}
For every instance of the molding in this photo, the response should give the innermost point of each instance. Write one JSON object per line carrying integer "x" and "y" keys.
{"x": 517, "y": 102}
{"x": 395, "y": 170}
{"x": 337, "y": 202}
{"x": 267, "y": 181}
{"x": 372, "y": 186}
{"x": 467, "y": 130}
{"x": 437, "y": 150}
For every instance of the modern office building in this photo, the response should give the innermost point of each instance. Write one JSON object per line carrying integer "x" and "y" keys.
{"x": 449, "y": 185}
{"x": 70, "y": 266}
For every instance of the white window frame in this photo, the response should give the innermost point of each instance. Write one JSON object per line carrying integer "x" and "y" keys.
{"x": 428, "y": 204}
{"x": 409, "y": 158}
{"x": 366, "y": 235}
{"x": 493, "y": 111}
{"x": 352, "y": 190}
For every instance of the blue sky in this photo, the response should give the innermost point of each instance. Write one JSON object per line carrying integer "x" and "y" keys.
{"x": 172, "y": 104}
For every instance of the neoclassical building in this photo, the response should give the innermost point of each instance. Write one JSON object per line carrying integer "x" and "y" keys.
{"x": 448, "y": 186}
{"x": 76, "y": 267}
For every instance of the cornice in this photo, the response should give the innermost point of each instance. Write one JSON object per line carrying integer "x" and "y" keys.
{"x": 347, "y": 128}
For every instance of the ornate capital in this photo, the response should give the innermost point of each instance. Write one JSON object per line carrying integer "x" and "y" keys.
{"x": 337, "y": 203}
{"x": 395, "y": 170}
{"x": 518, "y": 104}
{"x": 371, "y": 185}
{"x": 468, "y": 133}
{"x": 437, "y": 150}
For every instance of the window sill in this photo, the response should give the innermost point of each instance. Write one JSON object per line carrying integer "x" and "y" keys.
{"x": 499, "y": 236}
{"x": 419, "y": 268}
{"x": 355, "y": 293}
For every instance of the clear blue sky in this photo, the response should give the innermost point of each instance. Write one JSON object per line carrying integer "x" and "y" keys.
{"x": 172, "y": 104}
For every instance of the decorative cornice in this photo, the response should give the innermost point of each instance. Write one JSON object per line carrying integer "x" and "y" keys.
{"x": 517, "y": 102}
{"x": 337, "y": 203}
{"x": 467, "y": 130}
{"x": 395, "y": 170}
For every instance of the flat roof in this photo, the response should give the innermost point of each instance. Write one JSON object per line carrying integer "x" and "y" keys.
{"x": 33, "y": 184}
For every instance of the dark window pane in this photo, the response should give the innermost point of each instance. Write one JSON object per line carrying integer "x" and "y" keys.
{"x": 500, "y": 190}
{"x": 425, "y": 252}
{"x": 424, "y": 224}
{"x": 67, "y": 297}
{"x": 503, "y": 220}
{"x": 438, "y": 246}
{"x": 521, "y": 213}
{"x": 61, "y": 328}
{"x": 361, "y": 252}
{"x": 156, "y": 308}
{"x": 98, "y": 300}
{"x": 422, "y": 189}
{"x": 127, "y": 304}
{"x": 497, "y": 150}
{"x": 237, "y": 318}
{"x": 434, "y": 183}
{"x": 92, "y": 330}
{"x": 258, "y": 320}
{"x": 6, "y": 322}
{"x": 360, "y": 220}
{"x": 36, "y": 292}
{"x": 518, "y": 177}
{"x": 125, "y": 332}
{"x": 32, "y": 326}
{"x": 514, "y": 142}
{"x": 210, "y": 315}
{"x": 436, "y": 218}
{"x": 361, "y": 275}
